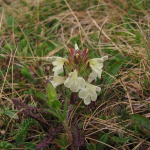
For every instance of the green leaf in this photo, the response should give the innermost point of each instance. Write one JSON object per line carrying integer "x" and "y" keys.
{"x": 21, "y": 136}
{"x": 54, "y": 113}
{"x": 138, "y": 38}
{"x": 51, "y": 45}
{"x": 19, "y": 139}
{"x": 11, "y": 113}
{"x": 26, "y": 32}
{"x": 41, "y": 137}
{"x": 14, "y": 132}
{"x": 116, "y": 139}
{"x": 91, "y": 146}
{"x": 30, "y": 146}
{"x": 25, "y": 72}
{"x": 59, "y": 142}
{"x": 10, "y": 21}
{"x": 38, "y": 31}
{"x": 126, "y": 140}
{"x": 55, "y": 104}
{"x": 142, "y": 123}
{"x": 105, "y": 139}
{"x": 51, "y": 93}
{"x": 64, "y": 139}
{"x": 41, "y": 95}
{"x": 6, "y": 145}
{"x": 63, "y": 148}
{"x": 121, "y": 135}
{"x": 1, "y": 112}
{"x": 24, "y": 51}
{"x": 23, "y": 43}
{"x": 112, "y": 70}
{"x": 23, "y": 2}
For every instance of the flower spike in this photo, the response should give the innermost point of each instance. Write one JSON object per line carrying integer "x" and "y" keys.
{"x": 79, "y": 71}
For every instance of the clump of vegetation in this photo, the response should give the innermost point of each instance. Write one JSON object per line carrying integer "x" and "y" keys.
{"x": 56, "y": 96}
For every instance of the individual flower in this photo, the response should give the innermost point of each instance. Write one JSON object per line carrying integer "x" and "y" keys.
{"x": 96, "y": 64}
{"x": 74, "y": 82}
{"x": 89, "y": 93}
{"x": 76, "y": 47}
{"x": 92, "y": 76}
{"x": 57, "y": 80}
{"x": 58, "y": 62}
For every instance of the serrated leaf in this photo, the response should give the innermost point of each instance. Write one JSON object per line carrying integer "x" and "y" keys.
{"x": 26, "y": 124}
{"x": 19, "y": 139}
{"x": 6, "y": 145}
{"x": 41, "y": 95}
{"x": 14, "y": 132}
{"x": 142, "y": 123}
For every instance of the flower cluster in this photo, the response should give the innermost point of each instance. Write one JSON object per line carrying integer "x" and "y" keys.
{"x": 80, "y": 71}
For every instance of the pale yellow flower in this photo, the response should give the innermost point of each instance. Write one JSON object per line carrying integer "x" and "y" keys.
{"x": 92, "y": 76}
{"x": 76, "y": 47}
{"x": 57, "y": 80}
{"x": 58, "y": 63}
{"x": 89, "y": 93}
{"x": 96, "y": 64}
{"x": 74, "y": 82}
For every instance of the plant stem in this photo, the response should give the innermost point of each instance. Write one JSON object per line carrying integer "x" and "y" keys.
{"x": 60, "y": 113}
{"x": 69, "y": 134}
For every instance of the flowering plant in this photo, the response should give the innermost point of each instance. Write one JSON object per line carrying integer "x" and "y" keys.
{"x": 79, "y": 72}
